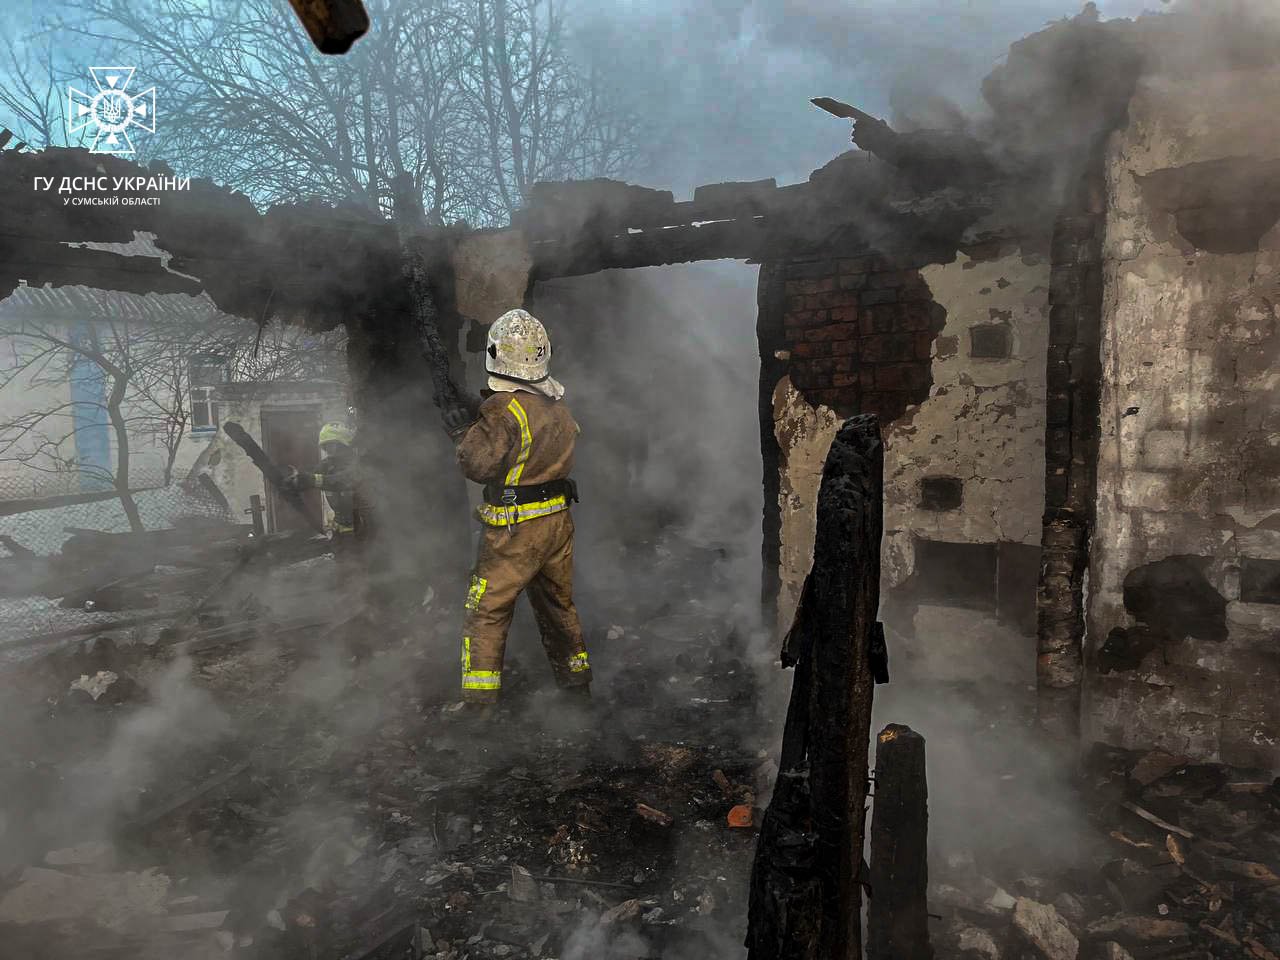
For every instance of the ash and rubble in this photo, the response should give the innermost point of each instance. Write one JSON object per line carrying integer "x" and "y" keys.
{"x": 1135, "y": 854}
{"x": 268, "y": 791}
{"x": 250, "y": 789}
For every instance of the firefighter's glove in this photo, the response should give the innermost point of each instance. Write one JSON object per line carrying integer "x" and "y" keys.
{"x": 456, "y": 418}
{"x": 293, "y": 481}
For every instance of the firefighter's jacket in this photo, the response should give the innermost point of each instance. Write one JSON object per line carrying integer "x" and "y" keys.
{"x": 337, "y": 477}
{"x": 520, "y": 439}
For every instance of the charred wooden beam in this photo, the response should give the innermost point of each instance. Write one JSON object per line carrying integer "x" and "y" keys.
{"x": 805, "y": 900}
{"x": 898, "y": 917}
{"x": 333, "y": 25}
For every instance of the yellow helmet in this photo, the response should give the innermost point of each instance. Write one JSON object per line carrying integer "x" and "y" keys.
{"x": 336, "y": 432}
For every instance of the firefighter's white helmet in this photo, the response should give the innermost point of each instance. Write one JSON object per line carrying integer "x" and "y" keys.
{"x": 518, "y": 353}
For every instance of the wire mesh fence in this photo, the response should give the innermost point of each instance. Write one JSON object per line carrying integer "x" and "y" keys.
{"x": 43, "y": 524}
{"x": 46, "y": 485}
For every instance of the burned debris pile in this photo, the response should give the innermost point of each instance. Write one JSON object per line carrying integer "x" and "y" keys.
{"x": 1182, "y": 861}
{"x": 240, "y": 780}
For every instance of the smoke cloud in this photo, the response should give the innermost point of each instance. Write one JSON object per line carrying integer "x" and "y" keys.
{"x": 729, "y": 82}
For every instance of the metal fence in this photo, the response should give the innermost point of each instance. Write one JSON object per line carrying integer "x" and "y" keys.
{"x": 43, "y": 485}
{"x": 44, "y": 527}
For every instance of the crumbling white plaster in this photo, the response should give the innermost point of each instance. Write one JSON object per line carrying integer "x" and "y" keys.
{"x": 1190, "y": 424}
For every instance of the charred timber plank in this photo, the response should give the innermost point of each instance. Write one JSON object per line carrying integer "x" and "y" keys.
{"x": 87, "y": 630}
{"x": 733, "y": 239}
{"x": 9, "y": 508}
{"x": 333, "y": 25}
{"x": 41, "y": 262}
{"x": 566, "y": 208}
{"x": 186, "y": 797}
{"x": 805, "y": 900}
{"x": 731, "y": 195}
{"x": 898, "y": 917}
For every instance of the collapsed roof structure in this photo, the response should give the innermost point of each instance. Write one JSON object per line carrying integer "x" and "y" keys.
{"x": 1063, "y": 316}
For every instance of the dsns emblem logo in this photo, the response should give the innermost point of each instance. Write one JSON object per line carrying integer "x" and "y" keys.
{"x": 112, "y": 110}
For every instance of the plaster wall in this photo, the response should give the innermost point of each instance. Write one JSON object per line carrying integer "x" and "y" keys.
{"x": 1190, "y": 449}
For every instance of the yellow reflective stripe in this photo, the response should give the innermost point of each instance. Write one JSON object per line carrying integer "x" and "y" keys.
{"x": 343, "y": 528}
{"x": 475, "y": 593}
{"x": 526, "y": 442}
{"x": 477, "y": 679}
{"x": 503, "y": 516}
{"x": 578, "y": 663}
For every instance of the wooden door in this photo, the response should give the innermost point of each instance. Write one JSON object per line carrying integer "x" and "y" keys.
{"x": 289, "y": 438}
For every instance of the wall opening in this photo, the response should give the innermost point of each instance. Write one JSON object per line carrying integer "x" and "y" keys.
{"x": 991, "y": 341}
{"x": 941, "y": 493}
{"x": 661, "y": 366}
{"x": 1259, "y": 580}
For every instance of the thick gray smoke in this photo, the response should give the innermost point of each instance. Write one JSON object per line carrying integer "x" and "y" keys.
{"x": 728, "y": 83}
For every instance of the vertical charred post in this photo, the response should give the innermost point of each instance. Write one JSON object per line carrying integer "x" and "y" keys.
{"x": 415, "y": 500}
{"x": 898, "y": 917}
{"x": 771, "y": 336}
{"x": 805, "y": 897}
{"x": 1073, "y": 376}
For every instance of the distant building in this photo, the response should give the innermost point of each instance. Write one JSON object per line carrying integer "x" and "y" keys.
{"x": 284, "y": 417}
{"x": 74, "y": 448}
{"x": 197, "y": 368}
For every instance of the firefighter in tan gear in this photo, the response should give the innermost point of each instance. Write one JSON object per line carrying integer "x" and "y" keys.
{"x": 520, "y": 446}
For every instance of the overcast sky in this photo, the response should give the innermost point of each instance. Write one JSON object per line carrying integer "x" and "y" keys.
{"x": 733, "y": 77}
{"x": 727, "y": 82}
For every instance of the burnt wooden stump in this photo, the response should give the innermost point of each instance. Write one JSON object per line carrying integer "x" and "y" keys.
{"x": 898, "y": 917}
{"x": 805, "y": 901}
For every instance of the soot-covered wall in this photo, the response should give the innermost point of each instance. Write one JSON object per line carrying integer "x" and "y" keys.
{"x": 951, "y": 356}
{"x": 1183, "y": 620}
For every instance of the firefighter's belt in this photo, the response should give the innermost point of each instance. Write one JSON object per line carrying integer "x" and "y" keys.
{"x": 505, "y": 504}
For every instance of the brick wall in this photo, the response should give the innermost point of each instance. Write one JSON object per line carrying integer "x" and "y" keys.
{"x": 860, "y": 333}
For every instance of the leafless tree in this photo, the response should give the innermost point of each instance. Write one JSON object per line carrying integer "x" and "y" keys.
{"x": 472, "y": 99}
{"x": 33, "y": 98}
{"x": 48, "y": 355}
{"x": 147, "y": 374}
{"x": 544, "y": 117}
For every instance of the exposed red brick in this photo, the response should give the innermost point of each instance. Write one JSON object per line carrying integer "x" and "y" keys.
{"x": 900, "y": 376}
{"x": 808, "y": 269}
{"x": 892, "y": 278}
{"x": 844, "y": 380}
{"x": 858, "y": 264}
{"x": 871, "y": 297}
{"x": 915, "y": 290}
{"x": 806, "y": 350}
{"x": 844, "y": 314}
{"x": 888, "y": 348}
{"x": 844, "y": 348}
{"x": 804, "y": 287}
{"x": 805, "y": 318}
{"x": 836, "y": 298}
{"x": 914, "y": 315}
{"x": 843, "y": 401}
{"x": 924, "y": 346}
{"x": 832, "y": 331}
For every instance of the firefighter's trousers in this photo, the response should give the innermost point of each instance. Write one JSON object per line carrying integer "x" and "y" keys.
{"x": 535, "y": 556}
